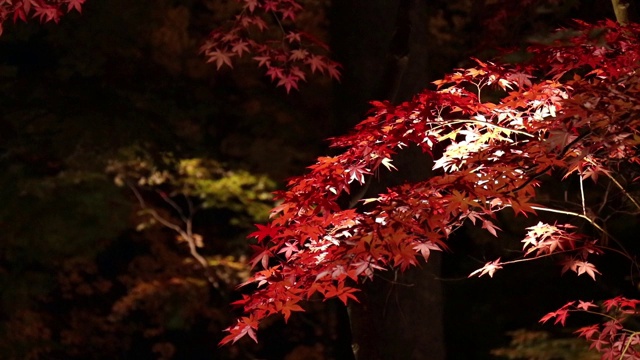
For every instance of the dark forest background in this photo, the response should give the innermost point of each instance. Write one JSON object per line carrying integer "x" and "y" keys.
{"x": 115, "y": 106}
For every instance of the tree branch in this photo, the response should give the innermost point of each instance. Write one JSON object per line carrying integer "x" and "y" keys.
{"x": 621, "y": 9}
{"x": 187, "y": 234}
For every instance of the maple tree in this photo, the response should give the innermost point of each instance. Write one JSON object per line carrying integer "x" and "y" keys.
{"x": 495, "y": 132}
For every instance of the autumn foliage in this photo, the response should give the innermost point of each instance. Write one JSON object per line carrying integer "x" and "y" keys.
{"x": 286, "y": 55}
{"x": 495, "y": 132}
{"x": 43, "y": 10}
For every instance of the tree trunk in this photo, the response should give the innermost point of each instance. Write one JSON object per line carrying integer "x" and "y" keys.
{"x": 383, "y": 46}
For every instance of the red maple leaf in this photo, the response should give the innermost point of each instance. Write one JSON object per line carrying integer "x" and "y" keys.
{"x": 425, "y": 249}
{"x": 75, "y": 4}
{"x": 342, "y": 292}
{"x": 47, "y": 13}
{"x": 263, "y": 232}
{"x": 220, "y": 57}
{"x": 289, "y": 81}
{"x": 289, "y": 307}
{"x": 263, "y": 256}
{"x": 588, "y": 332}
{"x": 288, "y": 249}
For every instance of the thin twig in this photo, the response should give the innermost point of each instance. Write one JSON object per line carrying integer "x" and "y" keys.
{"x": 584, "y": 208}
{"x": 173, "y": 204}
{"x": 488, "y": 124}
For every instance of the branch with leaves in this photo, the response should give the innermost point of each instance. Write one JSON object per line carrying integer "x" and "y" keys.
{"x": 43, "y": 10}
{"x": 259, "y": 31}
{"x": 557, "y": 114}
{"x": 610, "y": 338}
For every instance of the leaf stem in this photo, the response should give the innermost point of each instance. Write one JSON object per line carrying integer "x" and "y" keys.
{"x": 627, "y": 344}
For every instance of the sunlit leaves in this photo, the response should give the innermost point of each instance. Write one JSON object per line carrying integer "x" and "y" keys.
{"x": 245, "y": 326}
{"x": 425, "y": 249}
{"x": 544, "y": 238}
{"x": 581, "y": 267}
{"x": 488, "y": 269}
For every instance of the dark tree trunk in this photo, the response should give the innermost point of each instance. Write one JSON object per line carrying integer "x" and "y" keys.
{"x": 383, "y": 46}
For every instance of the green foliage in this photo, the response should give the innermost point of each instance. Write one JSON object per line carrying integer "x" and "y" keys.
{"x": 246, "y": 195}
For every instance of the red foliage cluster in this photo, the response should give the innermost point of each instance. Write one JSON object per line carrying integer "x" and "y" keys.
{"x": 573, "y": 108}
{"x": 610, "y": 338}
{"x": 287, "y": 56}
{"x": 44, "y": 10}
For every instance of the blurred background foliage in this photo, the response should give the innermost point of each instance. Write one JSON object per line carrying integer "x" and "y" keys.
{"x": 112, "y": 114}
{"x": 114, "y": 100}
{"x": 541, "y": 345}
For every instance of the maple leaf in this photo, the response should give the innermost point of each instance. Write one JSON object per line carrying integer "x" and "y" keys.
{"x": 275, "y": 72}
{"x": 548, "y": 317}
{"x": 289, "y": 81}
{"x": 251, "y": 5}
{"x": 489, "y": 268}
{"x": 263, "y": 61}
{"x": 387, "y": 163}
{"x": 289, "y": 13}
{"x": 580, "y": 267}
{"x": 271, "y": 5}
{"x": 244, "y": 326}
{"x": 289, "y": 249}
{"x": 47, "y": 13}
{"x": 240, "y": 48}
{"x": 19, "y": 13}
{"x": 585, "y": 305}
{"x": 317, "y": 63}
{"x": 521, "y": 79}
{"x": 611, "y": 303}
{"x": 490, "y": 227}
{"x": 332, "y": 69}
{"x": 598, "y": 344}
{"x": 559, "y": 315}
{"x": 293, "y": 37}
{"x": 342, "y": 292}
{"x": 425, "y": 249}
{"x": 262, "y": 257}
{"x": 298, "y": 54}
{"x": 289, "y": 307}
{"x": 611, "y": 327}
{"x": 588, "y": 332}
{"x": 357, "y": 173}
{"x": 220, "y": 57}
{"x": 75, "y": 4}
{"x": 263, "y": 232}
